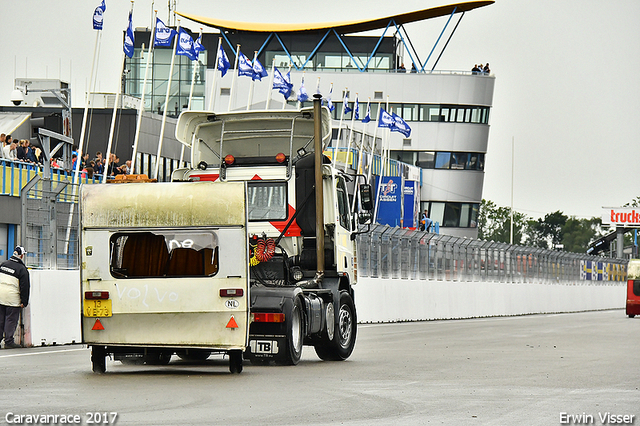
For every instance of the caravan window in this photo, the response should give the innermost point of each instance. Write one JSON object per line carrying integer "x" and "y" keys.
{"x": 164, "y": 254}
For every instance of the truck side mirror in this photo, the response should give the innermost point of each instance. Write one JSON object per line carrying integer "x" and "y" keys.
{"x": 366, "y": 199}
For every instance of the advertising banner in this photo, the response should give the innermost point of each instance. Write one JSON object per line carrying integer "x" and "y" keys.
{"x": 411, "y": 204}
{"x": 390, "y": 201}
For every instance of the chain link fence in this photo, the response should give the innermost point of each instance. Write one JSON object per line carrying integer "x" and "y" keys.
{"x": 388, "y": 252}
{"x": 50, "y": 224}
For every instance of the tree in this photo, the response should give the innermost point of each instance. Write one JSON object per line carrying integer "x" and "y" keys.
{"x": 579, "y": 233}
{"x": 494, "y": 223}
{"x": 546, "y": 233}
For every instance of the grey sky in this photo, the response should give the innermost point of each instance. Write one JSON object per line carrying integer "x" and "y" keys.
{"x": 567, "y": 87}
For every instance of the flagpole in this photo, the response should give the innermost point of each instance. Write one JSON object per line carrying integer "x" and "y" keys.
{"x": 373, "y": 148}
{"x": 166, "y": 102}
{"x": 340, "y": 126}
{"x": 301, "y": 86}
{"x": 353, "y": 122}
{"x": 360, "y": 149}
{"x": 86, "y": 111}
{"x": 270, "y": 88}
{"x": 116, "y": 105}
{"x": 329, "y": 105}
{"x": 235, "y": 77}
{"x": 193, "y": 78}
{"x": 284, "y": 104}
{"x": 144, "y": 86}
{"x": 253, "y": 82}
{"x": 212, "y": 98}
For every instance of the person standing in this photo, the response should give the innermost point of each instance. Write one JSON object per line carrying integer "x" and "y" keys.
{"x": 14, "y": 294}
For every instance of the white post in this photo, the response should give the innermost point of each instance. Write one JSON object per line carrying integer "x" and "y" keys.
{"x": 193, "y": 77}
{"x": 212, "y": 98}
{"x": 340, "y": 127}
{"x": 270, "y": 88}
{"x": 235, "y": 78}
{"x": 284, "y": 104}
{"x": 166, "y": 103}
{"x": 144, "y": 86}
{"x": 512, "y": 175}
{"x": 116, "y": 105}
{"x": 253, "y": 82}
{"x": 353, "y": 122}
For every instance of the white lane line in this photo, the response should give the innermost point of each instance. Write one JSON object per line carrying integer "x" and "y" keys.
{"x": 42, "y": 353}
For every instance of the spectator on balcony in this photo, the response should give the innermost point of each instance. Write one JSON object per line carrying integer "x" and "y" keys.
{"x": 9, "y": 151}
{"x": 21, "y": 152}
{"x": 486, "y": 69}
{"x": 98, "y": 166}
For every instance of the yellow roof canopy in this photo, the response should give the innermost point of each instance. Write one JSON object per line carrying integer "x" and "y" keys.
{"x": 345, "y": 27}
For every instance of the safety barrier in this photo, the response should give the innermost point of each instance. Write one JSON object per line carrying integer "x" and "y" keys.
{"x": 397, "y": 253}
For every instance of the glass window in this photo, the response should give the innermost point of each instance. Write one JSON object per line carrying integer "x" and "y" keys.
{"x": 410, "y": 112}
{"x": 444, "y": 114}
{"x": 460, "y": 116}
{"x": 459, "y": 160}
{"x": 443, "y": 159}
{"x": 465, "y": 210}
{"x": 426, "y": 160}
{"x": 429, "y": 112}
{"x": 436, "y": 212}
{"x": 480, "y": 161}
{"x": 473, "y": 215}
{"x": 395, "y": 108}
{"x": 451, "y": 214}
{"x": 343, "y": 203}
{"x": 472, "y": 163}
{"x": 475, "y": 115}
{"x": 267, "y": 200}
{"x": 164, "y": 254}
{"x": 467, "y": 115}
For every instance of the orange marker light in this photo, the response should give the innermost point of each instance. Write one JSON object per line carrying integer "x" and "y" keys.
{"x": 229, "y": 159}
{"x": 280, "y": 158}
{"x": 232, "y": 323}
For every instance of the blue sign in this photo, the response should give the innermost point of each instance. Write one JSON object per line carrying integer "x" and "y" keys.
{"x": 411, "y": 204}
{"x": 390, "y": 201}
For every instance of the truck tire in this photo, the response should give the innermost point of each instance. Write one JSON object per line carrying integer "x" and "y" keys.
{"x": 344, "y": 337}
{"x": 98, "y": 359}
{"x": 295, "y": 335}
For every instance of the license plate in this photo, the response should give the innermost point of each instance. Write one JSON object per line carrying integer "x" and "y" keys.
{"x": 97, "y": 308}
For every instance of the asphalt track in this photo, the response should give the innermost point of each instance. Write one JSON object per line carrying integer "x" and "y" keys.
{"x": 527, "y": 370}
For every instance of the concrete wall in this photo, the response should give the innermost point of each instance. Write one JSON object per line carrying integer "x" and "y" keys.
{"x": 53, "y": 315}
{"x": 392, "y": 300}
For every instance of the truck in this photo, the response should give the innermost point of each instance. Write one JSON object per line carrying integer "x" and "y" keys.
{"x": 251, "y": 252}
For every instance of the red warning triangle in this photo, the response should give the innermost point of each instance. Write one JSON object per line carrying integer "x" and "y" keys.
{"x": 98, "y": 325}
{"x": 232, "y": 323}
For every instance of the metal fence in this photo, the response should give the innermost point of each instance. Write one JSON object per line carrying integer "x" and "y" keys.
{"x": 49, "y": 230}
{"x": 389, "y": 252}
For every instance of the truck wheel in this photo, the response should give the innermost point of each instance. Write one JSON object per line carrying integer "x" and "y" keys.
{"x": 235, "y": 361}
{"x": 344, "y": 337}
{"x": 98, "y": 359}
{"x": 631, "y": 315}
{"x": 295, "y": 335}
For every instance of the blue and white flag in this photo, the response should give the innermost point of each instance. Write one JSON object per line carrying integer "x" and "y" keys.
{"x": 281, "y": 84}
{"x": 97, "y": 16}
{"x": 356, "y": 112}
{"x": 185, "y": 45}
{"x": 399, "y": 125}
{"x": 223, "y": 62}
{"x": 197, "y": 45}
{"x": 258, "y": 70}
{"x": 385, "y": 119}
{"x": 128, "y": 38}
{"x": 367, "y": 117}
{"x": 345, "y": 104}
{"x": 302, "y": 92}
{"x": 329, "y": 102}
{"x": 244, "y": 66}
{"x": 164, "y": 34}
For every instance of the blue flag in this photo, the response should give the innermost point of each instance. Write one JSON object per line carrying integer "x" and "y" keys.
{"x": 128, "y": 38}
{"x": 258, "y": 70}
{"x": 244, "y": 66}
{"x": 223, "y": 62}
{"x": 345, "y": 105}
{"x": 302, "y": 92}
{"x": 385, "y": 119}
{"x": 329, "y": 102}
{"x": 197, "y": 45}
{"x": 356, "y": 112}
{"x": 164, "y": 34}
{"x": 97, "y": 16}
{"x": 399, "y": 125}
{"x": 367, "y": 117}
{"x": 185, "y": 46}
{"x": 281, "y": 84}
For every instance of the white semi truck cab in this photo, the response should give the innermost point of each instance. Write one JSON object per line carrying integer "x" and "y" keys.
{"x": 284, "y": 261}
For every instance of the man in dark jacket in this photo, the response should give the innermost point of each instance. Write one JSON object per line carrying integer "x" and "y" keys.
{"x": 14, "y": 295}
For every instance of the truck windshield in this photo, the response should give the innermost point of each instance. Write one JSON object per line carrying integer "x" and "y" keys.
{"x": 164, "y": 254}
{"x": 267, "y": 200}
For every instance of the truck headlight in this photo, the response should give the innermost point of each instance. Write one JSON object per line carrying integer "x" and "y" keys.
{"x": 296, "y": 273}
